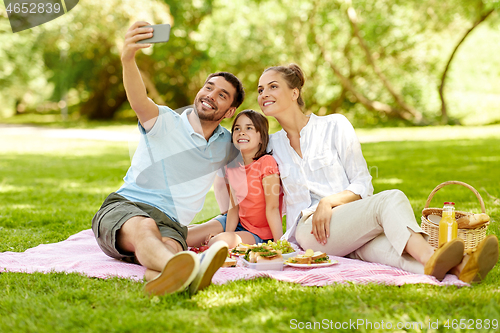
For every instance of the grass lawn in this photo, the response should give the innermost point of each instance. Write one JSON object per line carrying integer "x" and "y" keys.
{"x": 50, "y": 189}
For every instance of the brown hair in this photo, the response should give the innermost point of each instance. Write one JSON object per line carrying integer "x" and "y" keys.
{"x": 235, "y": 82}
{"x": 294, "y": 78}
{"x": 261, "y": 126}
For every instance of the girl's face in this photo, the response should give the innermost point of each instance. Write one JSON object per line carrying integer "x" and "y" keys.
{"x": 274, "y": 94}
{"x": 245, "y": 137}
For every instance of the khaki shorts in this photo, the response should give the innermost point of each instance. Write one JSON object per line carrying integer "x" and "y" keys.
{"x": 116, "y": 210}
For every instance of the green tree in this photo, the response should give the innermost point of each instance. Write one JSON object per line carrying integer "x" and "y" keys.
{"x": 370, "y": 59}
{"x": 79, "y": 54}
{"x": 349, "y": 60}
{"x": 476, "y": 12}
{"x": 21, "y": 69}
{"x": 82, "y": 53}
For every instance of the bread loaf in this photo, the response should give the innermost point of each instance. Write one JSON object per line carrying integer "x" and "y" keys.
{"x": 472, "y": 221}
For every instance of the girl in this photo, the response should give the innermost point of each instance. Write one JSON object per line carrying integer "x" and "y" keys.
{"x": 329, "y": 196}
{"x": 254, "y": 184}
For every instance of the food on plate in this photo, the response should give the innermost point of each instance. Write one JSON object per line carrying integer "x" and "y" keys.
{"x": 241, "y": 249}
{"x": 281, "y": 245}
{"x": 270, "y": 256}
{"x": 310, "y": 257}
{"x": 262, "y": 253}
{"x": 230, "y": 262}
{"x": 319, "y": 257}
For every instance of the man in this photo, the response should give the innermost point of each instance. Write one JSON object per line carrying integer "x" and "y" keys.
{"x": 172, "y": 170}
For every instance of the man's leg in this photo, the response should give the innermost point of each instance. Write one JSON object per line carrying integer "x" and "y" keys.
{"x": 167, "y": 271}
{"x": 140, "y": 235}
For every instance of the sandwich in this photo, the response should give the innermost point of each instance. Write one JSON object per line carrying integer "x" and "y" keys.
{"x": 310, "y": 257}
{"x": 300, "y": 259}
{"x": 241, "y": 249}
{"x": 319, "y": 257}
{"x": 265, "y": 252}
{"x": 230, "y": 262}
{"x": 270, "y": 256}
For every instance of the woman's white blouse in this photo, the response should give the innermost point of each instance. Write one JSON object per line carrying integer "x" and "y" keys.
{"x": 331, "y": 162}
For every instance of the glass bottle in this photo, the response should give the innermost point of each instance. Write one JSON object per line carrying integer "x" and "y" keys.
{"x": 448, "y": 225}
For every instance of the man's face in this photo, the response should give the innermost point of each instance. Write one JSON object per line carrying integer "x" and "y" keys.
{"x": 214, "y": 100}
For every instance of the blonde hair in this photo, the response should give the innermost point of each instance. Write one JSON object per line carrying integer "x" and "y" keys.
{"x": 294, "y": 78}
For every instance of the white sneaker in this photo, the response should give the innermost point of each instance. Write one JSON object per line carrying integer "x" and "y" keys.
{"x": 177, "y": 274}
{"x": 210, "y": 261}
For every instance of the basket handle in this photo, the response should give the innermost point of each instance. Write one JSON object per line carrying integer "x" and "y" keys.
{"x": 440, "y": 186}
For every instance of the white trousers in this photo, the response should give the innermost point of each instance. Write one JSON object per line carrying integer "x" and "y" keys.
{"x": 373, "y": 229}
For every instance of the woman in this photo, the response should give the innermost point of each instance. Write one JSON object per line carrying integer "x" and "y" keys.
{"x": 328, "y": 192}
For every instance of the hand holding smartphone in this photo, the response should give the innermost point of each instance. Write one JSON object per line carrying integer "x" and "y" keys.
{"x": 161, "y": 34}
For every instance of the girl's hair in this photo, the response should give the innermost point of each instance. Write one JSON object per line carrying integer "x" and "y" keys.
{"x": 261, "y": 126}
{"x": 294, "y": 78}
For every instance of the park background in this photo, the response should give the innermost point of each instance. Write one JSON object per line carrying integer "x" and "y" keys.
{"x": 419, "y": 80}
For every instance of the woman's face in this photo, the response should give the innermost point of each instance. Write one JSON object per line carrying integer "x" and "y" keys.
{"x": 245, "y": 136}
{"x": 274, "y": 94}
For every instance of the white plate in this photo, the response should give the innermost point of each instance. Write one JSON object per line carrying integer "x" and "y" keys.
{"x": 323, "y": 264}
{"x": 289, "y": 255}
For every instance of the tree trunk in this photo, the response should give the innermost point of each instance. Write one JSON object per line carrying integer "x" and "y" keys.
{"x": 351, "y": 14}
{"x": 105, "y": 98}
{"x": 444, "y": 112}
{"x": 99, "y": 108}
{"x": 367, "y": 103}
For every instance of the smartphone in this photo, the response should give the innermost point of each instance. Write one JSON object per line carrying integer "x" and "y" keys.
{"x": 161, "y": 34}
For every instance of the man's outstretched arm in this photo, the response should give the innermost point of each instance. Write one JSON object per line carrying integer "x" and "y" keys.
{"x": 145, "y": 108}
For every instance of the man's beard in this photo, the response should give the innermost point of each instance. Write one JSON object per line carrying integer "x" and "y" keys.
{"x": 213, "y": 116}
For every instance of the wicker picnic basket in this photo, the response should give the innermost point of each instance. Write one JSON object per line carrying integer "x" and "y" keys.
{"x": 472, "y": 237}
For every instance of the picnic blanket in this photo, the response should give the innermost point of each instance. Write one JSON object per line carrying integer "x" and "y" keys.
{"x": 81, "y": 254}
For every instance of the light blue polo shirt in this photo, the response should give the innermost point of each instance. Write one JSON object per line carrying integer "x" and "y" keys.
{"x": 174, "y": 167}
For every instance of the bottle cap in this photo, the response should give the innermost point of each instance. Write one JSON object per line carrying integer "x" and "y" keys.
{"x": 449, "y": 203}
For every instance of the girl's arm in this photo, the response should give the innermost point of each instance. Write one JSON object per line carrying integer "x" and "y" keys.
{"x": 271, "y": 185}
{"x": 233, "y": 218}
{"x": 221, "y": 191}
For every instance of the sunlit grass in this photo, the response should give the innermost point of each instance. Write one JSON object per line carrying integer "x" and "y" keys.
{"x": 434, "y": 133}
{"x": 50, "y": 189}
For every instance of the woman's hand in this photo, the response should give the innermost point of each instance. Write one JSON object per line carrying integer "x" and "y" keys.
{"x": 321, "y": 222}
{"x": 323, "y": 214}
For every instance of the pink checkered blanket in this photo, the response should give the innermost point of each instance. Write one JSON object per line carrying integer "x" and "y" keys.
{"x": 81, "y": 254}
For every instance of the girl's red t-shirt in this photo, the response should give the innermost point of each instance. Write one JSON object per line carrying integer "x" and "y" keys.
{"x": 246, "y": 181}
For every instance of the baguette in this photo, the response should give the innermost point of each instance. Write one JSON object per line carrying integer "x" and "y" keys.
{"x": 472, "y": 221}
